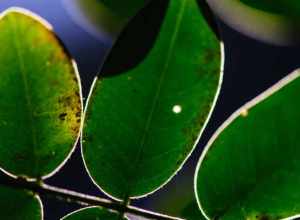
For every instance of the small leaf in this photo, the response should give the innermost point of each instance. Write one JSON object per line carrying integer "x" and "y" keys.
{"x": 143, "y": 123}
{"x": 19, "y": 205}
{"x": 40, "y": 104}
{"x": 271, "y": 21}
{"x": 250, "y": 168}
{"x": 93, "y": 213}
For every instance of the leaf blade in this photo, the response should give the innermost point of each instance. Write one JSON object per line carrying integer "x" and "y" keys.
{"x": 256, "y": 180}
{"x": 19, "y": 205}
{"x": 41, "y": 115}
{"x": 142, "y": 125}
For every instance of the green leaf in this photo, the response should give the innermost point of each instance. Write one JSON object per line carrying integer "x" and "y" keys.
{"x": 93, "y": 213}
{"x": 142, "y": 124}
{"x": 19, "y": 205}
{"x": 40, "y": 104}
{"x": 250, "y": 169}
{"x": 271, "y": 21}
{"x": 286, "y": 8}
{"x": 192, "y": 212}
{"x": 102, "y": 17}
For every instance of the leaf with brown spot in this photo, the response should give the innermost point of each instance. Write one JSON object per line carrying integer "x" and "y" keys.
{"x": 36, "y": 72}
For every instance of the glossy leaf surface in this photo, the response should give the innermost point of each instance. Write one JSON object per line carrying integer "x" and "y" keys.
{"x": 275, "y": 21}
{"x": 250, "y": 169}
{"x": 142, "y": 124}
{"x": 40, "y": 104}
{"x": 93, "y": 213}
{"x": 19, "y": 205}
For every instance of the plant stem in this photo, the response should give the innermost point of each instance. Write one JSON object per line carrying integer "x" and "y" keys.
{"x": 83, "y": 199}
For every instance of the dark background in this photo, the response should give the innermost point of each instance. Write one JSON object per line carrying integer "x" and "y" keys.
{"x": 250, "y": 68}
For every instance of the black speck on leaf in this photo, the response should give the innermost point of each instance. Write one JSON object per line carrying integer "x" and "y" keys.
{"x": 62, "y": 116}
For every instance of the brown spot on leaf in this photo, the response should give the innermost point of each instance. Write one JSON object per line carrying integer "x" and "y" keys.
{"x": 62, "y": 116}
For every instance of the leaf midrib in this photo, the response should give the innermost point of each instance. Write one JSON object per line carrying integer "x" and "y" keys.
{"x": 161, "y": 81}
{"x": 276, "y": 169}
{"x": 23, "y": 72}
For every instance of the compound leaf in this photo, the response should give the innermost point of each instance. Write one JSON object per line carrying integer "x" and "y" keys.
{"x": 143, "y": 123}
{"x": 250, "y": 169}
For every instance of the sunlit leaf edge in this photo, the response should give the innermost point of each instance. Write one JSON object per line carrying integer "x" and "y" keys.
{"x": 242, "y": 110}
{"x": 83, "y": 209}
{"x": 48, "y": 26}
{"x": 93, "y": 86}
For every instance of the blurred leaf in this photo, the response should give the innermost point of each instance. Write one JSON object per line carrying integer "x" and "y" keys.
{"x": 125, "y": 9}
{"x": 93, "y": 213}
{"x": 142, "y": 124}
{"x": 40, "y": 104}
{"x": 276, "y": 22}
{"x": 286, "y": 8}
{"x": 103, "y": 17}
{"x": 19, "y": 205}
{"x": 250, "y": 169}
{"x": 192, "y": 212}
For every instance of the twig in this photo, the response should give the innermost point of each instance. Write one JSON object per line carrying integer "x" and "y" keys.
{"x": 76, "y": 197}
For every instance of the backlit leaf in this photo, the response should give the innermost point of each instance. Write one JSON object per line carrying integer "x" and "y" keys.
{"x": 19, "y": 205}
{"x": 40, "y": 104}
{"x": 250, "y": 168}
{"x": 143, "y": 123}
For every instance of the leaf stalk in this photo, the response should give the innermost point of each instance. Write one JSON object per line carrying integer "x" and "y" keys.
{"x": 43, "y": 189}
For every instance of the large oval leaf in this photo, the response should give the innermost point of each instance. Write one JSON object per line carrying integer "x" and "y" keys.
{"x": 250, "y": 168}
{"x": 142, "y": 124}
{"x": 271, "y": 21}
{"x": 93, "y": 213}
{"x": 40, "y": 104}
{"x": 103, "y": 18}
{"x": 19, "y": 205}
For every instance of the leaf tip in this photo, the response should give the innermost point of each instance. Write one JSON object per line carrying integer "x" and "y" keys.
{"x": 28, "y": 13}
